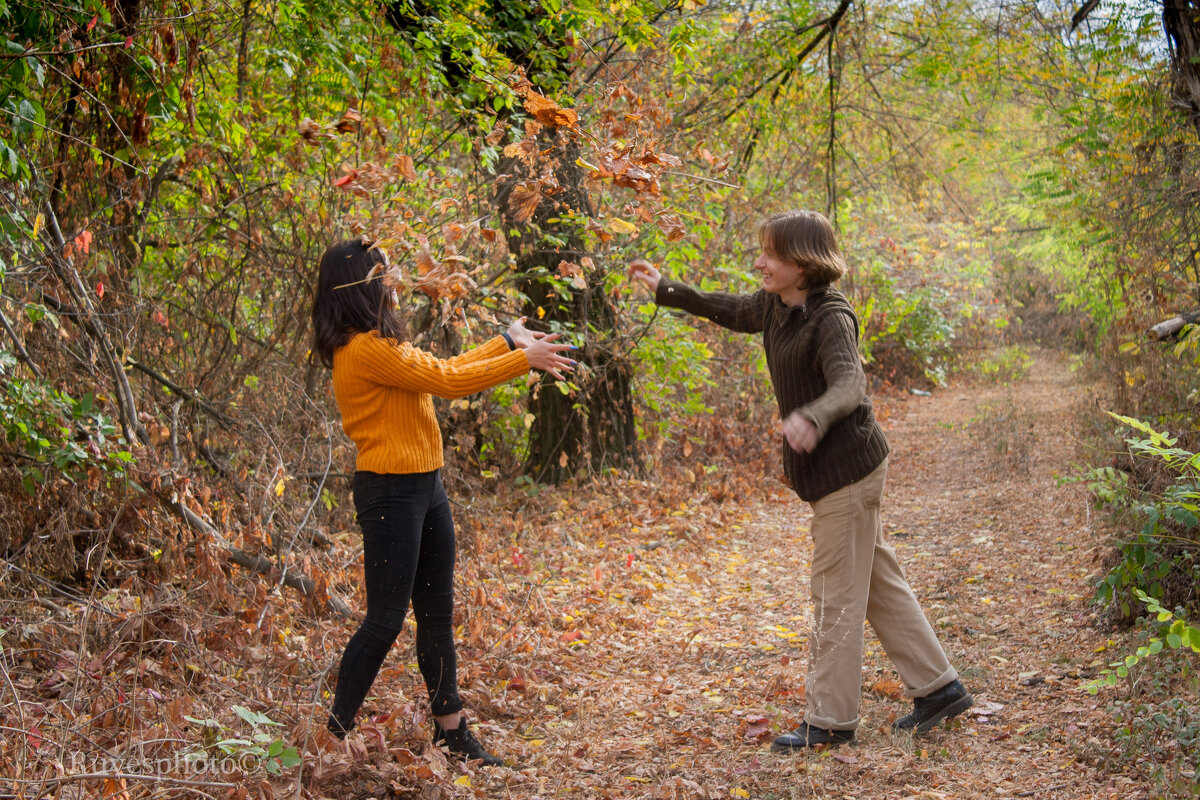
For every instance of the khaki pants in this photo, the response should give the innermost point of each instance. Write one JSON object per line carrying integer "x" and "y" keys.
{"x": 855, "y": 576}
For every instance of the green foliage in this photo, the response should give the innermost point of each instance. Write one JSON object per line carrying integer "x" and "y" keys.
{"x": 914, "y": 320}
{"x": 1004, "y": 366}
{"x": 672, "y": 371}
{"x": 53, "y": 432}
{"x": 260, "y": 749}
{"x": 1165, "y": 549}
{"x": 1175, "y": 634}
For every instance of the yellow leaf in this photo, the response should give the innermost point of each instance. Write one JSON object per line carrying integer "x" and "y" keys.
{"x": 279, "y": 487}
{"x": 529, "y": 418}
{"x": 618, "y": 225}
{"x": 38, "y": 222}
{"x": 739, "y": 793}
{"x": 541, "y": 312}
{"x": 462, "y": 780}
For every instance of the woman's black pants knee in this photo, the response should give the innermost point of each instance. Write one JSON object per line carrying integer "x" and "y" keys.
{"x": 408, "y": 554}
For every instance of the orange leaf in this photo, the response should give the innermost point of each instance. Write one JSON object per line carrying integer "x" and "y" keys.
{"x": 407, "y": 168}
{"x": 425, "y": 263}
{"x": 548, "y": 112}
{"x": 349, "y": 121}
{"x": 891, "y": 688}
{"x": 524, "y": 201}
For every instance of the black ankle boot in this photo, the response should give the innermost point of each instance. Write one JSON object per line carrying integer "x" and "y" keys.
{"x": 462, "y": 744}
{"x": 808, "y": 736}
{"x": 947, "y": 702}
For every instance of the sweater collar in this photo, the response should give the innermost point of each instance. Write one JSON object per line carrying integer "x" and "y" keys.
{"x": 816, "y": 296}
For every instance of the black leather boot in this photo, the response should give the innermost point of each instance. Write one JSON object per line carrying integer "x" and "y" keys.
{"x": 808, "y": 736}
{"x": 462, "y": 744}
{"x": 946, "y": 703}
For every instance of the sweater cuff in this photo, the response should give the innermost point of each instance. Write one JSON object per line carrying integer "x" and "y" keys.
{"x": 668, "y": 292}
{"x": 511, "y": 344}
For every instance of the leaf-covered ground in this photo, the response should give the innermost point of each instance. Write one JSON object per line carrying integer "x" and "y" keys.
{"x": 640, "y": 638}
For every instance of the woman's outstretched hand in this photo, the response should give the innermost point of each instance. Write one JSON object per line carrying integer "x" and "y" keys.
{"x": 645, "y": 273}
{"x": 543, "y": 353}
{"x": 521, "y": 336}
{"x": 801, "y": 432}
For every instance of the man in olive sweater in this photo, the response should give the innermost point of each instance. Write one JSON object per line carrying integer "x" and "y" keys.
{"x": 835, "y": 457}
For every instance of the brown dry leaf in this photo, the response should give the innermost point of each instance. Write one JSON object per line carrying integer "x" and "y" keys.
{"x": 672, "y": 226}
{"x": 526, "y": 150}
{"x": 453, "y": 231}
{"x": 601, "y": 233}
{"x": 523, "y": 201}
{"x": 573, "y": 271}
{"x": 550, "y": 113}
{"x": 488, "y": 234}
{"x": 889, "y": 688}
{"x": 495, "y": 135}
{"x": 349, "y": 121}
{"x": 406, "y": 167}
{"x": 425, "y": 263}
{"x": 309, "y": 130}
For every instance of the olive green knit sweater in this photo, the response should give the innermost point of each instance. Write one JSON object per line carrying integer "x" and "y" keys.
{"x": 812, "y": 353}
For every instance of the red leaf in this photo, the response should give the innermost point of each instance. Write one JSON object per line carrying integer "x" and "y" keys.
{"x": 128, "y": 42}
{"x": 92, "y": 24}
{"x": 100, "y": 290}
{"x": 345, "y": 179}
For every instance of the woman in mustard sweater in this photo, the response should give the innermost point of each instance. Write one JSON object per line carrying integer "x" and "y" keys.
{"x": 384, "y": 389}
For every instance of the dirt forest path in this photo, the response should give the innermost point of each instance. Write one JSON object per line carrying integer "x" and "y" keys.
{"x": 683, "y": 699}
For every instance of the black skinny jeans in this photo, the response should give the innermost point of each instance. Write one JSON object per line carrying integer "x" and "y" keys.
{"x": 408, "y": 553}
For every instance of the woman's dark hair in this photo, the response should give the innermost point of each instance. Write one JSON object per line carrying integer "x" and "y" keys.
{"x": 347, "y": 303}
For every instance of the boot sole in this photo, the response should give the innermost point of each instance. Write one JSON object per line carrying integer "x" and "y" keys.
{"x": 948, "y": 712}
{"x": 784, "y": 748}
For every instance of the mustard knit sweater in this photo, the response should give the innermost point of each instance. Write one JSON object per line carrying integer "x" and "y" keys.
{"x": 384, "y": 391}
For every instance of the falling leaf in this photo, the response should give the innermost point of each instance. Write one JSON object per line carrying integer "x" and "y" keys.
{"x": 573, "y": 271}
{"x": 404, "y": 164}
{"x": 488, "y": 234}
{"x": 524, "y": 200}
{"x": 100, "y": 289}
{"x": 526, "y": 150}
{"x": 618, "y": 225}
{"x": 672, "y": 226}
{"x": 349, "y": 121}
{"x": 495, "y": 136}
{"x": 425, "y": 263}
{"x": 548, "y": 112}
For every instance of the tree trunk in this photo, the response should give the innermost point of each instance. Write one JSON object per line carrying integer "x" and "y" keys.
{"x": 1181, "y": 21}
{"x": 591, "y": 426}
